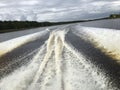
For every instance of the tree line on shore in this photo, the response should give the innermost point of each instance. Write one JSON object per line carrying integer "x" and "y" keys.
{"x": 8, "y": 26}
{"x": 5, "y": 25}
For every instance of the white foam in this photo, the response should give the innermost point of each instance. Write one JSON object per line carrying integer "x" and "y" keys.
{"x": 9, "y": 45}
{"x": 76, "y": 74}
{"x": 58, "y": 53}
{"x": 100, "y": 80}
{"x": 21, "y": 78}
{"x": 45, "y": 60}
{"x": 69, "y": 69}
{"x": 106, "y": 39}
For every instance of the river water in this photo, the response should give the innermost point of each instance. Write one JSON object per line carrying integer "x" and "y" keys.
{"x": 68, "y": 57}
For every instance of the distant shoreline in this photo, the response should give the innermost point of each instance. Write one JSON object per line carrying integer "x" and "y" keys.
{"x": 11, "y": 26}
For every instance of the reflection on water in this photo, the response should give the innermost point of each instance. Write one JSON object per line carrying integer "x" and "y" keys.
{"x": 111, "y": 24}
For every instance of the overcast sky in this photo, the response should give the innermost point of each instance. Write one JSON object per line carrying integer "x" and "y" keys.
{"x": 56, "y": 10}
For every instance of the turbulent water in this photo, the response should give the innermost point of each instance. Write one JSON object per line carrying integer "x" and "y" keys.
{"x": 60, "y": 64}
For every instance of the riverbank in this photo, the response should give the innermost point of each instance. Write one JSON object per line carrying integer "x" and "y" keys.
{"x": 11, "y": 26}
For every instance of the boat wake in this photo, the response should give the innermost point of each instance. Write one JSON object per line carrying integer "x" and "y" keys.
{"x": 57, "y": 65}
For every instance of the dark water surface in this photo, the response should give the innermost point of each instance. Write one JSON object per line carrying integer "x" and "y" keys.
{"x": 10, "y": 61}
{"x": 111, "y": 24}
{"x": 106, "y": 64}
{"x": 99, "y": 59}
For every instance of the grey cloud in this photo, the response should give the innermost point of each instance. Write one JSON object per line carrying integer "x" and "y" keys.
{"x": 56, "y": 10}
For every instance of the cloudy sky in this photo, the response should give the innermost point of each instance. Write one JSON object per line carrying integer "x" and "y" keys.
{"x": 56, "y": 10}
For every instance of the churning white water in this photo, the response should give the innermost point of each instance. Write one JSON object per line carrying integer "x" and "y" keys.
{"x": 106, "y": 39}
{"x": 56, "y": 66}
{"x": 10, "y": 45}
